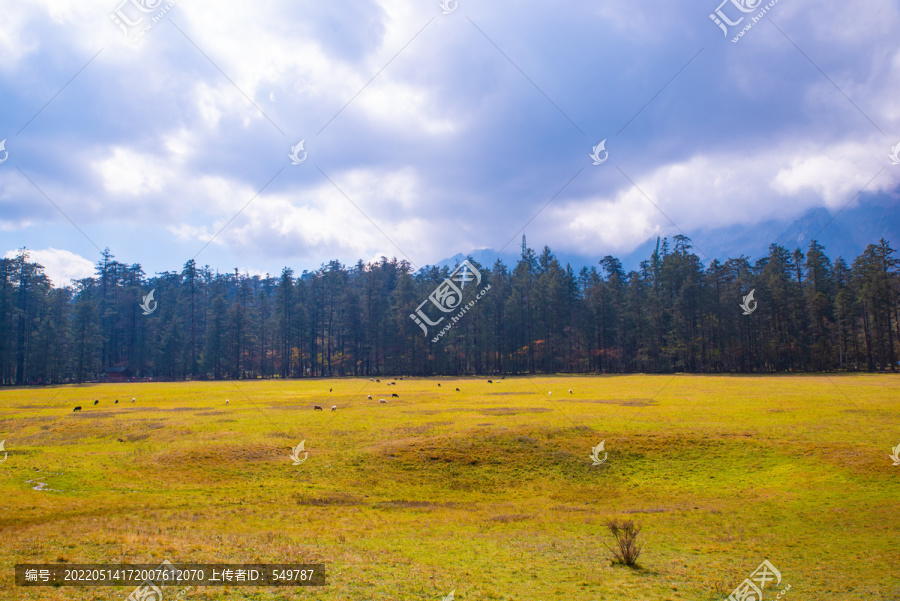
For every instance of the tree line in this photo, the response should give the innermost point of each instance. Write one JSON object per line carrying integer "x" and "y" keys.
{"x": 673, "y": 314}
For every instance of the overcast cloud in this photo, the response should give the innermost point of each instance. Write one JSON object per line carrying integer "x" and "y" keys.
{"x": 429, "y": 134}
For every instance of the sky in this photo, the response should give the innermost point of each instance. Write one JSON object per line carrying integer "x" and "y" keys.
{"x": 168, "y": 131}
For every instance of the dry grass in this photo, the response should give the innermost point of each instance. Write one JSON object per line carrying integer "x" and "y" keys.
{"x": 418, "y": 497}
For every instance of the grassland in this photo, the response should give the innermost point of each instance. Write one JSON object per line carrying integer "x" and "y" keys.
{"x": 488, "y": 491}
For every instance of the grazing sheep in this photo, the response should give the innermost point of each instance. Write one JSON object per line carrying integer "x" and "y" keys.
{"x": 457, "y": 390}
{"x": 95, "y": 402}
{"x": 570, "y": 392}
{"x": 330, "y": 389}
{"x": 334, "y": 407}
{"x": 370, "y": 397}
{"x": 382, "y": 401}
{"x": 378, "y": 380}
{"x": 317, "y": 408}
{"x": 78, "y": 408}
{"x": 490, "y": 381}
{"x": 226, "y": 401}
{"x": 132, "y": 400}
{"x": 117, "y": 402}
{"x": 395, "y": 395}
{"x": 503, "y": 377}
{"x": 121, "y": 440}
{"x": 439, "y": 383}
{"x": 371, "y": 380}
{"x": 550, "y": 393}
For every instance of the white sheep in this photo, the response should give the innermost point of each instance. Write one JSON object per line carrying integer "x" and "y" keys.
{"x": 370, "y": 397}
{"x": 334, "y": 407}
{"x": 382, "y": 401}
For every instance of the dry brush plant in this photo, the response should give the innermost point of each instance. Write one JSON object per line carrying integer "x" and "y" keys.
{"x": 626, "y": 550}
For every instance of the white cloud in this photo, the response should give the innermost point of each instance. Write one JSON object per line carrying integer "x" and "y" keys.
{"x": 132, "y": 173}
{"x": 720, "y": 190}
{"x": 61, "y": 266}
{"x": 835, "y": 177}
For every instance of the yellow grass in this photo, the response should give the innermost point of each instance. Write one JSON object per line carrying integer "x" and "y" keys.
{"x": 488, "y": 491}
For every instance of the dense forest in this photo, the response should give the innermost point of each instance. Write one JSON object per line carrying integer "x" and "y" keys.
{"x": 672, "y": 315}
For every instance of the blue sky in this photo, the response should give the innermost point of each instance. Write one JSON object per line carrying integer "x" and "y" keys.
{"x": 427, "y": 133}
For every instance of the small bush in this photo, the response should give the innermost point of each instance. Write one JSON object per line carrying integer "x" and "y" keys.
{"x": 626, "y": 550}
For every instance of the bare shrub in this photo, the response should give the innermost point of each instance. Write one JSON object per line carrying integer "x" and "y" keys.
{"x": 626, "y": 550}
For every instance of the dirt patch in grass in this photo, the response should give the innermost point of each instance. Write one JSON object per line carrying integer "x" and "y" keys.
{"x": 337, "y": 499}
{"x": 29, "y": 421}
{"x": 24, "y": 452}
{"x": 622, "y": 402}
{"x": 513, "y": 410}
{"x": 223, "y": 454}
{"x": 569, "y": 508}
{"x": 164, "y": 409}
{"x": 403, "y": 504}
{"x": 436, "y": 411}
{"x": 507, "y": 518}
{"x": 85, "y": 413}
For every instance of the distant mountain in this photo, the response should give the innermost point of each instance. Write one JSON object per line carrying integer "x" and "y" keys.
{"x": 845, "y": 234}
{"x": 487, "y": 257}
